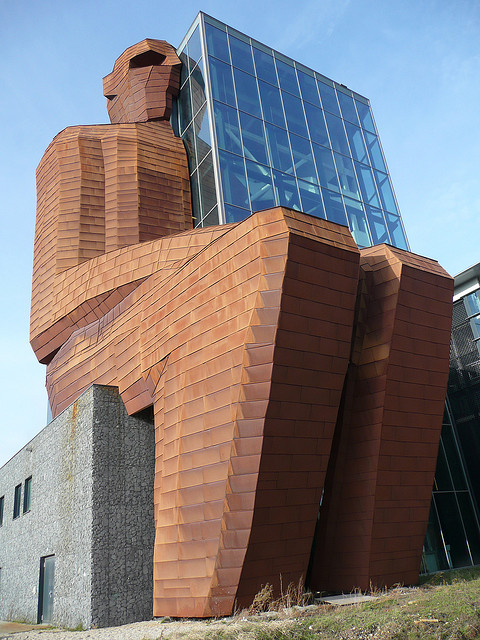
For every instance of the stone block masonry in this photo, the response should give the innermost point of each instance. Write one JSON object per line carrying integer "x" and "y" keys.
{"x": 91, "y": 507}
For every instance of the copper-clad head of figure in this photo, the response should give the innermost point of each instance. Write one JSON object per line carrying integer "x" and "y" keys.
{"x": 143, "y": 81}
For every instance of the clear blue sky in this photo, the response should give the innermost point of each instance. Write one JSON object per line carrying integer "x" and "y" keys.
{"x": 418, "y": 61}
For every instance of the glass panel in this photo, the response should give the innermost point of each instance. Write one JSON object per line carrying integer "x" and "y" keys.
{"x": 434, "y": 552}
{"x": 334, "y": 207}
{"x": 272, "y": 104}
{"x": 355, "y": 138}
{"x": 453, "y": 533}
{"x": 325, "y": 167}
{"x": 396, "y": 231}
{"x": 241, "y": 53}
{"x": 316, "y": 124}
{"x": 472, "y": 303}
{"x": 189, "y": 140}
{"x": 185, "y": 107}
{"x": 471, "y": 525}
{"x": 194, "y": 46}
{"x": 265, "y": 66}
{"x": 286, "y": 190}
{"x": 308, "y": 88}
{"x": 346, "y": 176}
{"x": 294, "y": 114}
{"x": 226, "y": 125}
{"x": 279, "y": 148}
{"x": 443, "y": 481}
{"x": 375, "y": 152}
{"x": 337, "y": 134}
{"x": 366, "y": 119}
{"x": 378, "y": 226}
{"x": 367, "y": 185}
{"x": 196, "y": 207}
{"x": 454, "y": 462}
{"x": 255, "y": 147}
{"x": 222, "y": 81}
{"x": 217, "y": 42}
{"x": 234, "y": 181}
{"x": 386, "y": 193}
{"x": 347, "y": 107}
{"x": 357, "y": 222}
{"x": 184, "y": 70}
{"x": 202, "y": 129}
{"x": 206, "y": 177}
{"x": 27, "y": 495}
{"x": 287, "y": 77}
{"x": 475, "y": 324}
{"x": 329, "y": 98}
{"x": 311, "y": 199}
{"x": 197, "y": 84}
{"x": 247, "y": 93}
{"x": 260, "y": 186}
{"x": 234, "y": 214}
{"x": 303, "y": 158}
{"x": 212, "y": 219}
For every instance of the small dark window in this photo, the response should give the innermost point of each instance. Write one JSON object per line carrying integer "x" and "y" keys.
{"x": 2, "y": 504}
{"x": 27, "y": 494}
{"x": 146, "y": 59}
{"x": 17, "y": 501}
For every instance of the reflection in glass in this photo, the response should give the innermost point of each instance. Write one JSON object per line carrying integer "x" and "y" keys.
{"x": 375, "y": 152}
{"x": 196, "y": 208}
{"x": 241, "y": 53}
{"x": 475, "y": 325}
{"x": 367, "y": 185}
{"x": 434, "y": 558}
{"x": 185, "y": 107}
{"x": 443, "y": 481}
{"x": 334, "y": 207}
{"x": 287, "y": 77}
{"x": 286, "y": 190}
{"x": 347, "y": 106}
{"x": 217, "y": 43}
{"x": 255, "y": 147}
{"x": 396, "y": 232}
{"x": 366, "y": 119}
{"x": 303, "y": 158}
{"x": 265, "y": 66}
{"x": 311, "y": 199}
{"x": 337, "y": 134}
{"x": 472, "y": 303}
{"x": 470, "y": 524}
{"x": 357, "y": 222}
{"x": 234, "y": 181}
{"x": 226, "y": 125}
{"x": 378, "y": 226}
{"x": 325, "y": 167}
{"x": 206, "y": 177}
{"x": 197, "y": 84}
{"x": 329, "y": 98}
{"x": 294, "y": 114}
{"x": 189, "y": 140}
{"x": 355, "y": 138}
{"x": 453, "y": 458}
{"x": 260, "y": 186}
{"x": 308, "y": 87}
{"x": 184, "y": 70}
{"x": 211, "y": 219}
{"x": 386, "y": 193}
{"x": 453, "y": 534}
{"x": 234, "y": 214}
{"x": 222, "y": 81}
{"x": 247, "y": 93}
{"x": 279, "y": 148}
{"x": 202, "y": 130}
{"x": 272, "y": 104}
{"x": 346, "y": 176}
{"x": 194, "y": 46}
{"x": 316, "y": 124}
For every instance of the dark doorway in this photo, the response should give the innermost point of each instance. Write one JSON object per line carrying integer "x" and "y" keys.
{"x": 45, "y": 590}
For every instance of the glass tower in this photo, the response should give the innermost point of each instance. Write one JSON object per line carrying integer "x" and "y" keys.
{"x": 263, "y": 130}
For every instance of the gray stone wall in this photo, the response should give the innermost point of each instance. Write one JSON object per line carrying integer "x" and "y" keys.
{"x": 92, "y": 507}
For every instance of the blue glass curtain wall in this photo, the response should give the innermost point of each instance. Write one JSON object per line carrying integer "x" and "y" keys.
{"x": 268, "y": 131}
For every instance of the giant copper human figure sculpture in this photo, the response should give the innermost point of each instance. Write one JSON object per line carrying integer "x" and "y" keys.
{"x": 243, "y": 337}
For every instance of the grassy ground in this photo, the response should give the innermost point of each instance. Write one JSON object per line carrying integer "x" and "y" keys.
{"x": 445, "y": 606}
